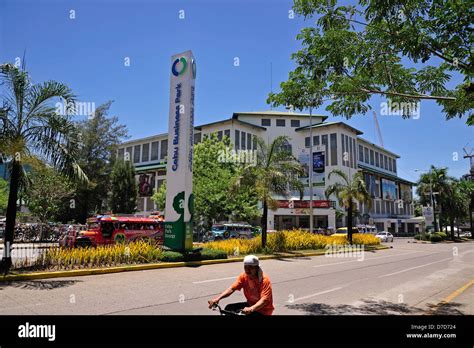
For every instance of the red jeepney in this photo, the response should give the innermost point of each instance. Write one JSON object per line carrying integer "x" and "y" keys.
{"x": 110, "y": 229}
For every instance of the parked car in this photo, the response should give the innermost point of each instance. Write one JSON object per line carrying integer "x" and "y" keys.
{"x": 385, "y": 236}
{"x": 342, "y": 231}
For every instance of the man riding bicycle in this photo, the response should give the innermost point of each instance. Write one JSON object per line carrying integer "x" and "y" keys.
{"x": 257, "y": 290}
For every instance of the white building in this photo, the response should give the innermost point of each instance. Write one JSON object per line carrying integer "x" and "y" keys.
{"x": 391, "y": 208}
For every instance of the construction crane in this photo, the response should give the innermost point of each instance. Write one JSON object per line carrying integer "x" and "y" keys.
{"x": 377, "y": 127}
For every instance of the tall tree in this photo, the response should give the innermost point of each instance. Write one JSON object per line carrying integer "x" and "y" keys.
{"x": 47, "y": 193}
{"x": 275, "y": 173}
{"x": 29, "y": 125}
{"x": 405, "y": 51}
{"x": 435, "y": 181}
{"x": 124, "y": 193}
{"x": 101, "y": 135}
{"x": 348, "y": 191}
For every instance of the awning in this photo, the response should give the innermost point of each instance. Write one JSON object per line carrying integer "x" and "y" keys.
{"x": 386, "y": 175}
{"x": 150, "y": 167}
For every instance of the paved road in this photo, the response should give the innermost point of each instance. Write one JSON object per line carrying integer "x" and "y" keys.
{"x": 407, "y": 279}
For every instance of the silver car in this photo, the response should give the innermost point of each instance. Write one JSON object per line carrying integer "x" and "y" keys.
{"x": 385, "y": 236}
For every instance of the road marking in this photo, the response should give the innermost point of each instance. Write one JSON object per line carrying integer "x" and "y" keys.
{"x": 316, "y": 294}
{"x": 412, "y": 268}
{"x": 458, "y": 292}
{"x": 214, "y": 280}
{"x": 368, "y": 259}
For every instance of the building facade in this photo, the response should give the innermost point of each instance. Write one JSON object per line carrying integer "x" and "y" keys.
{"x": 341, "y": 146}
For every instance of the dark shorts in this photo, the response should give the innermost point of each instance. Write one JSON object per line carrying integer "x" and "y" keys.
{"x": 235, "y": 307}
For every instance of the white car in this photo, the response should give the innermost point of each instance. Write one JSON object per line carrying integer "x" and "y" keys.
{"x": 385, "y": 236}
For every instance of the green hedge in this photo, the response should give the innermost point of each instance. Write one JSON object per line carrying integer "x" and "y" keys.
{"x": 204, "y": 254}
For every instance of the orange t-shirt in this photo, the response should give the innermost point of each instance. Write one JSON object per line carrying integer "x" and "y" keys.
{"x": 254, "y": 291}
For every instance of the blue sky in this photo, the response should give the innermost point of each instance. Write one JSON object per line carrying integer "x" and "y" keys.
{"x": 88, "y": 54}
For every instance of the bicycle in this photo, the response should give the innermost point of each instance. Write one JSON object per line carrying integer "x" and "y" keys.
{"x": 225, "y": 312}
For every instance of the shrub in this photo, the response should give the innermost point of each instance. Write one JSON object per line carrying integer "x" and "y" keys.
{"x": 211, "y": 254}
{"x": 172, "y": 256}
{"x": 105, "y": 255}
{"x": 435, "y": 237}
{"x": 442, "y": 235}
{"x": 287, "y": 241}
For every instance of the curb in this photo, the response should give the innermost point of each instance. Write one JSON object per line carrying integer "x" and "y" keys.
{"x": 150, "y": 266}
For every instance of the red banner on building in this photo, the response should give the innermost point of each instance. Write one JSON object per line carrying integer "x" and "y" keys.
{"x": 303, "y": 204}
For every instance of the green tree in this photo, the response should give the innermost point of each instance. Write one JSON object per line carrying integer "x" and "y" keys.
{"x": 101, "y": 135}
{"x": 275, "y": 173}
{"x": 213, "y": 177}
{"x": 47, "y": 193}
{"x": 466, "y": 191}
{"x": 29, "y": 124}
{"x": 435, "y": 181}
{"x": 347, "y": 192}
{"x": 3, "y": 195}
{"x": 124, "y": 193}
{"x": 159, "y": 197}
{"x": 388, "y": 48}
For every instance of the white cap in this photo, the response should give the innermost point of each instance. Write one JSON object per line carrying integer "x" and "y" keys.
{"x": 251, "y": 260}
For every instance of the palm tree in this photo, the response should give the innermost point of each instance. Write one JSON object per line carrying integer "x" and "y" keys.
{"x": 466, "y": 188}
{"x": 275, "y": 173}
{"x": 436, "y": 180}
{"x": 30, "y": 130}
{"x": 347, "y": 192}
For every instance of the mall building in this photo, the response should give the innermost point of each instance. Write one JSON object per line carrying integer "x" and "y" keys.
{"x": 337, "y": 145}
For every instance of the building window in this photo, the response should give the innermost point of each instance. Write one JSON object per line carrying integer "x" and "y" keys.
{"x": 154, "y": 150}
{"x": 354, "y": 152}
{"x": 219, "y": 135}
{"x": 227, "y": 133}
{"x": 128, "y": 154}
{"x": 372, "y": 157}
{"x": 394, "y": 165}
{"x": 136, "y": 153}
{"x": 145, "y": 152}
{"x": 237, "y": 139}
{"x": 366, "y": 155}
{"x": 377, "y": 207}
{"x": 315, "y": 140}
{"x": 249, "y": 141}
{"x": 324, "y": 141}
{"x": 343, "y": 142}
{"x": 306, "y": 142}
{"x": 377, "y": 164}
{"x": 389, "y": 164}
{"x": 361, "y": 153}
{"x": 280, "y": 123}
{"x": 266, "y": 122}
{"x": 254, "y": 143}
{"x": 295, "y": 123}
{"x": 120, "y": 153}
{"x": 164, "y": 149}
{"x": 383, "y": 207}
{"x": 242, "y": 140}
{"x": 351, "y": 158}
{"x": 333, "y": 139}
{"x": 385, "y": 160}
{"x": 197, "y": 138}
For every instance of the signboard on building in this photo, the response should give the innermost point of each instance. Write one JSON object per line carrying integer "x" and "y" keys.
{"x": 303, "y": 204}
{"x": 389, "y": 190}
{"x": 179, "y": 197}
